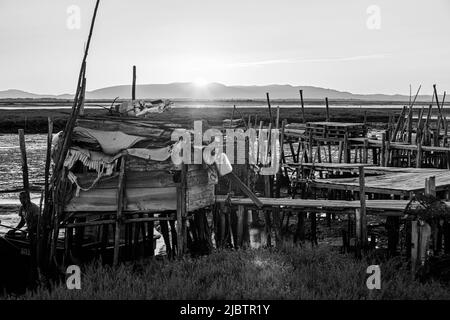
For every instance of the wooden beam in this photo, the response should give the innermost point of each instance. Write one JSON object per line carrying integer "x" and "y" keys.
{"x": 120, "y": 205}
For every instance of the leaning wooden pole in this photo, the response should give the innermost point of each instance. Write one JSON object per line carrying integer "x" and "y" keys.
{"x": 76, "y": 104}
{"x": 23, "y": 152}
{"x": 57, "y": 176}
{"x": 327, "y": 109}
{"x": 303, "y": 106}
{"x": 269, "y": 106}
{"x": 44, "y": 220}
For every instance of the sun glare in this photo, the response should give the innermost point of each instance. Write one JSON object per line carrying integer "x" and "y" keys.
{"x": 200, "y": 82}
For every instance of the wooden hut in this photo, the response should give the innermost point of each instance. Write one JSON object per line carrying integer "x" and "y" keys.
{"x": 121, "y": 181}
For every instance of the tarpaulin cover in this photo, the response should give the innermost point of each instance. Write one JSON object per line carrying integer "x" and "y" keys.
{"x": 111, "y": 142}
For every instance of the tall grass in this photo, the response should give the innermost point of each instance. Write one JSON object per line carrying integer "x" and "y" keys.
{"x": 286, "y": 273}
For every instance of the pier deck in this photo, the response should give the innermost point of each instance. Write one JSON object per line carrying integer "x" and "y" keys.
{"x": 382, "y": 180}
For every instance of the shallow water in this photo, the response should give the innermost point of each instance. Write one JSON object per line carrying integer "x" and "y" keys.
{"x": 11, "y": 172}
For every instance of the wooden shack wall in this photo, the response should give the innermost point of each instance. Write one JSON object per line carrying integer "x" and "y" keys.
{"x": 149, "y": 186}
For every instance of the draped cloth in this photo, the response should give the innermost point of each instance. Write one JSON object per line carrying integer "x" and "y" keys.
{"x": 111, "y": 142}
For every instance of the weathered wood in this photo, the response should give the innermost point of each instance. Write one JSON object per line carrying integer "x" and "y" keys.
{"x": 346, "y": 148}
{"x": 327, "y": 110}
{"x": 120, "y": 204}
{"x": 374, "y": 206}
{"x": 269, "y": 108}
{"x": 387, "y": 158}
{"x": 366, "y": 151}
{"x": 419, "y": 155}
{"x": 23, "y": 153}
{"x": 430, "y": 186}
{"x": 133, "y": 86}
{"x": 362, "y": 211}
{"x": 181, "y": 213}
{"x": 303, "y": 106}
{"x": 399, "y": 123}
{"x": 240, "y": 225}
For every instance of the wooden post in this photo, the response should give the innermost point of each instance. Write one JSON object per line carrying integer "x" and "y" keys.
{"x": 327, "y": 109}
{"x": 410, "y": 120}
{"x": 366, "y": 151}
{"x": 383, "y": 149}
{"x": 313, "y": 218}
{"x": 232, "y": 115}
{"x": 421, "y": 233}
{"x": 277, "y": 125}
{"x": 419, "y": 125}
{"x": 346, "y": 148}
{"x": 44, "y": 219}
{"x": 268, "y": 105}
{"x": 441, "y": 116}
{"x": 23, "y": 152}
{"x": 181, "y": 212}
{"x": 419, "y": 155}
{"x": 430, "y": 186}
{"x": 310, "y": 147}
{"x": 362, "y": 210}
{"x": 240, "y": 225}
{"x": 387, "y": 158}
{"x": 340, "y": 150}
{"x": 303, "y": 107}
{"x": 120, "y": 205}
{"x": 133, "y": 88}
{"x": 399, "y": 123}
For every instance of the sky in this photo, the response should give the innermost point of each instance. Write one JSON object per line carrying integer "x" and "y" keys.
{"x": 376, "y": 46}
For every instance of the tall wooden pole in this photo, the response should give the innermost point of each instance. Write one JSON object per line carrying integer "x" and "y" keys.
{"x": 133, "y": 88}
{"x": 120, "y": 204}
{"x": 303, "y": 106}
{"x": 270, "y": 109}
{"x": 361, "y": 221}
{"x": 182, "y": 211}
{"x": 23, "y": 151}
{"x": 327, "y": 109}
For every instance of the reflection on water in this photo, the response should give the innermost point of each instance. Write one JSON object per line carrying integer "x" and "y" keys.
{"x": 11, "y": 173}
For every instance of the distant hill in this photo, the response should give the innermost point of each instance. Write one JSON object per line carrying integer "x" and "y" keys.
{"x": 215, "y": 91}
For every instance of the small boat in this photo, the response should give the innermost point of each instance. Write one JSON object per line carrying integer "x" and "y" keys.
{"x": 15, "y": 264}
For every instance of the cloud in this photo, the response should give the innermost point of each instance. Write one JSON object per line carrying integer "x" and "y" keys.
{"x": 312, "y": 60}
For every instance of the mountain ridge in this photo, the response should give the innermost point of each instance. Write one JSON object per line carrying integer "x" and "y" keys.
{"x": 215, "y": 91}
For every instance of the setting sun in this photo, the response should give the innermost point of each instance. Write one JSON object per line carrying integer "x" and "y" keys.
{"x": 200, "y": 82}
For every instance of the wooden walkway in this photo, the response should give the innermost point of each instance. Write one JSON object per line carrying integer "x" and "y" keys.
{"x": 382, "y": 180}
{"x": 375, "y": 207}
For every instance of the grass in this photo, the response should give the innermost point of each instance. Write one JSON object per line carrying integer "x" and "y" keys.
{"x": 286, "y": 273}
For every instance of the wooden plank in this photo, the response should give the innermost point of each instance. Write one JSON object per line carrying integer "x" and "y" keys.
{"x": 388, "y": 205}
{"x": 146, "y": 179}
